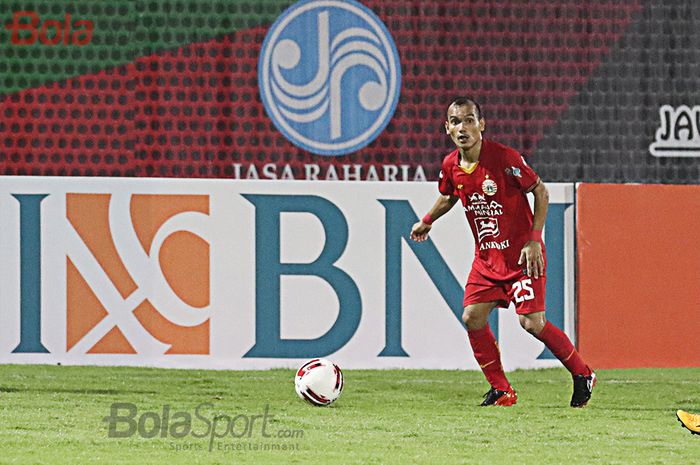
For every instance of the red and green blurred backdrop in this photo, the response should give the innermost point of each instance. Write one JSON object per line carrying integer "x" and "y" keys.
{"x": 169, "y": 87}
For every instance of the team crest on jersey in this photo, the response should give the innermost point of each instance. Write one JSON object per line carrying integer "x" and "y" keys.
{"x": 489, "y": 186}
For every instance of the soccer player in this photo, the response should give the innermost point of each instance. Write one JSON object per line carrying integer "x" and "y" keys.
{"x": 491, "y": 181}
{"x": 689, "y": 420}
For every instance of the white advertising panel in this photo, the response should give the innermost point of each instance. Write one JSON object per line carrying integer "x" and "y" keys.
{"x": 249, "y": 274}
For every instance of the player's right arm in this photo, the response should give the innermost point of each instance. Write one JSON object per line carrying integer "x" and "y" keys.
{"x": 443, "y": 204}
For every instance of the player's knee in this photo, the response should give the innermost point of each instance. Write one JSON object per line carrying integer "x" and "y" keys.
{"x": 465, "y": 317}
{"x": 472, "y": 320}
{"x": 532, "y": 325}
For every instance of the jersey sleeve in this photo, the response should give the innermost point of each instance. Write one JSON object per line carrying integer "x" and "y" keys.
{"x": 445, "y": 185}
{"x": 520, "y": 172}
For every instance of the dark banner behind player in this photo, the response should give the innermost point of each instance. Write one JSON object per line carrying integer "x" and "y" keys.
{"x": 345, "y": 90}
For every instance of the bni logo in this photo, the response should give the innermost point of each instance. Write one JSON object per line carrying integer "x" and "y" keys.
{"x": 329, "y": 76}
{"x": 137, "y": 274}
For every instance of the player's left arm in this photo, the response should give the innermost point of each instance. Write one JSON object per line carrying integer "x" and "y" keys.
{"x": 531, "y": 253}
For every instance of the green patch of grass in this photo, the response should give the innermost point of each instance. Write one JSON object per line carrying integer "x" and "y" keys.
{"x": 55, "y": 415}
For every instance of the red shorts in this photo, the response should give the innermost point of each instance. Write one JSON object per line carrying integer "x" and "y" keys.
{"x": 526, "y": 292}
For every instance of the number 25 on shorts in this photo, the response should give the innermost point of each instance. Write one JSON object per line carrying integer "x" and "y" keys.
{"x": 522, "y": 290}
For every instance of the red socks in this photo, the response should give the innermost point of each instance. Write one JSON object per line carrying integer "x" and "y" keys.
{"x": 562, "y": 348}
{"x": 488, "y": 356}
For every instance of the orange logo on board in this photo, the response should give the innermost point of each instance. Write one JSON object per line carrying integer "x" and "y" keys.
{"x": 137, "y": 274}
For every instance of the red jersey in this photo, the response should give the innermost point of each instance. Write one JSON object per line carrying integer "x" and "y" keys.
{"x": 494, "y": 198}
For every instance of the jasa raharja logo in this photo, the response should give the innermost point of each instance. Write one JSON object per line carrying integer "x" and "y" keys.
{"x": 329, "y": 76}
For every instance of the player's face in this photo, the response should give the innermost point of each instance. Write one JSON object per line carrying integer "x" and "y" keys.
{"x": 463, "y": 126}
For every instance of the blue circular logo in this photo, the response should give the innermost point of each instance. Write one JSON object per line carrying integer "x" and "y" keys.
{"x": 329, "y": 75}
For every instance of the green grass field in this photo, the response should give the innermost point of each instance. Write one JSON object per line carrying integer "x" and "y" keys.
{"x": 55, "y": 415}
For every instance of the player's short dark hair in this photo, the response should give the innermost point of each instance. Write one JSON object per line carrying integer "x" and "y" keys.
{"x": 466, "y": 100}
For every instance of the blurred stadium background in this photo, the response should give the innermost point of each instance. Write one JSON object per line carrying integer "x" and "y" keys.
{"x": 169, "y": 88}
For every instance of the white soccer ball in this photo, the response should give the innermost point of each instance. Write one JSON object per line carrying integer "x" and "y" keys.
{"x": 319, "y": 382}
